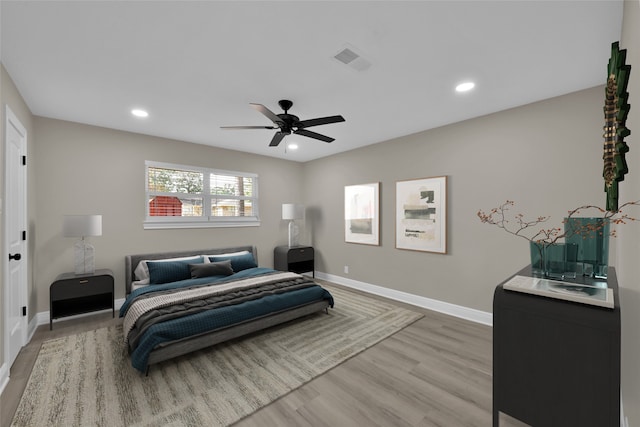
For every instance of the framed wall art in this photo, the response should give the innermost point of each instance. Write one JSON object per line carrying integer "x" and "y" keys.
{"x": 421, "y": 214}
{"x": 362, "y": 214}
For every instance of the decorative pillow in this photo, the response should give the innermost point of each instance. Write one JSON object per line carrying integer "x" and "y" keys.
{"x": 139, "y": 283}
{"x": 170, "y": 271}
{"x": 221, "y": 268}
{"x": 207, "y": 258}
{"x": 238, "y": 262}
{"x": 142, "y": 271}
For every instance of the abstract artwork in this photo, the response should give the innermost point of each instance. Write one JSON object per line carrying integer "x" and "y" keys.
{"x": 361, "y": 214}
{"x": 421, "y": 214}
{"x": 616, "y": 110}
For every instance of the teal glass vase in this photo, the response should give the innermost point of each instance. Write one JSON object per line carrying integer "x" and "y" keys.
{"x": 560, "y": 261}
{"x": 592, "y": 237}
{"x": 536, "y": 251}
{"x": 554, "y": 260}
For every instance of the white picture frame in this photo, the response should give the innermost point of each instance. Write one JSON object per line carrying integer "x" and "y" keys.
{"x": 421, "y": 214}
{"x": 362, "y": 214}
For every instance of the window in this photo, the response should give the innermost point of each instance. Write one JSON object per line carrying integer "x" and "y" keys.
{"x": 179, "y": 196}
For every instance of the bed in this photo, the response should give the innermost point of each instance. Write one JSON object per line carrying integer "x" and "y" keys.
{"x": 183, "y": 301}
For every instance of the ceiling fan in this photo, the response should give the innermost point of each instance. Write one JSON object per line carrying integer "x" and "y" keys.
{"x": 288, "y": 123}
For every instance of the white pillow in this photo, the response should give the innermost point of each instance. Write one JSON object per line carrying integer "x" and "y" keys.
{"x": 139, "y": 284}
{"x": 206, "y": 257}
{"x": 142, "y": 270}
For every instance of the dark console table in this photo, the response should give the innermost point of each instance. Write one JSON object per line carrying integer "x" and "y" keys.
{"x": 555, "y": 362}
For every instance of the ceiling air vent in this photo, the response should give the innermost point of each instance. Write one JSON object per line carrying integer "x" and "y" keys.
{"x": 348, "y": 56}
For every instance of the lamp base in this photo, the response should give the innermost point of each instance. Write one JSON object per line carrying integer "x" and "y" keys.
{"x": 83, "y": 258}
{"x": 294, "y": 234}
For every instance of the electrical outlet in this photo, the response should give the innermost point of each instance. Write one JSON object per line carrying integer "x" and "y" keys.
{"x": 346, "y": 269}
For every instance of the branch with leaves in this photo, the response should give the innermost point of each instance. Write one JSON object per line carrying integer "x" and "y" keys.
{"x": 533, "y": 231}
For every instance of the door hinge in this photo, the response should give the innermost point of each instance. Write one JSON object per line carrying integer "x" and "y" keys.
{"x": 24, "y": 160}
{"x": 24, "y": 310}
{"x": 24, "y": 235}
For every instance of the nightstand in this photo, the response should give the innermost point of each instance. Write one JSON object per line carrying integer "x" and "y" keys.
{"x": 72, "y": 294}
{"x": 299, "y": 259}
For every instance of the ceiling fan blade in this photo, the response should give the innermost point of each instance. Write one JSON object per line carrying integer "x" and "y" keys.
{"x": 270, "y": 114}
{"x": 247, "y": 127}
{"x": 320, "y": 121}
{"x": 314, "y": 135}
{"x": 277, "y": 138}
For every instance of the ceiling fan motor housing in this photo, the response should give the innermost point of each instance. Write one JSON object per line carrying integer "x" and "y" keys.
{"x": 285, "y": 104}
{"x": 288, "y": 122}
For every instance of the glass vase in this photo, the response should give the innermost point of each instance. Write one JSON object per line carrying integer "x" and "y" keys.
{"x": 536, "y": 251}
{"x": 592, "y": 237}
{"x": 554, "y": 261}
{"x": 560, "y": 260}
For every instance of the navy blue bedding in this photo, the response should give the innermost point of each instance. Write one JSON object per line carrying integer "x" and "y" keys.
{"x": 215, "y": 318}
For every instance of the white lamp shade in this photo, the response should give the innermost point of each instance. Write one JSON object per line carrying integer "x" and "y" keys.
{"x": 291, "y": 211}
{"x": 82, "y": 225}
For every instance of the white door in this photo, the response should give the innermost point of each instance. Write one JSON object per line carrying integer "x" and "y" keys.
{"x": 15, "y": 207}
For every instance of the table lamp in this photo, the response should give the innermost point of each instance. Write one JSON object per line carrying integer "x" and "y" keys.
{"x": 291, "y": 212}
{"x": 83, "y": 226}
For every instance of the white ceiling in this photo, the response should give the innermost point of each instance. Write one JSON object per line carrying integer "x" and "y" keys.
{"x": 196, "y": 66}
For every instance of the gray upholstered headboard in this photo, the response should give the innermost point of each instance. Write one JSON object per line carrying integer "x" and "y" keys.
{"x": 132, "y": 261}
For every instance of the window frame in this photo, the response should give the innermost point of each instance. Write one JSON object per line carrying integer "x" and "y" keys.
{"x": 204, "y": 221}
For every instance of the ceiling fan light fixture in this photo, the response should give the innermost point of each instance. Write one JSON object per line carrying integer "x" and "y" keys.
{"x": 465, "y": 86}
{"x": 292, "y": 146}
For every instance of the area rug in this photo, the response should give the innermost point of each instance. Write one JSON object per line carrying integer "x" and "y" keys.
{"x": 87, "y": 379}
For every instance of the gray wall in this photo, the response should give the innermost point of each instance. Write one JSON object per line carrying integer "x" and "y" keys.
{"x": 545, "y": 156}
{"x": 86, "y": 169}
{"x": 90, "y": 170}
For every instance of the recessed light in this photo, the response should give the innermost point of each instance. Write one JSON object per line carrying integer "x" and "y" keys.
{"x": 465, "y": 87}
{"x": 139, "y": 113}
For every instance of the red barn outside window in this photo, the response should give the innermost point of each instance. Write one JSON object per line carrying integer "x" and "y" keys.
{"x": 165, "y": 206}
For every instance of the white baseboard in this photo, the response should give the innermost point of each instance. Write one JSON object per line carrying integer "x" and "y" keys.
{"x": 4, "y": 376}
{"x": 31, "y": 328}
{"x": 624, "y": 421}
{"x": 428, "y": 303}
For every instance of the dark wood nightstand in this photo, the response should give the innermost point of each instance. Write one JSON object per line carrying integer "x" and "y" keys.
{"x": 299, "y": 259}
{"x": 72, "y": 294}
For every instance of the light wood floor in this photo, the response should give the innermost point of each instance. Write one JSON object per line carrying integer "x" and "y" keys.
{"x": 435, "y": 372}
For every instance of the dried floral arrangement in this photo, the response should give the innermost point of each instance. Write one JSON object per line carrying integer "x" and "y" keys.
{"x": 534, "y": 231}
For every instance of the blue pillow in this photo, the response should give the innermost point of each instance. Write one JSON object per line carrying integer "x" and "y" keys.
{"x": 170, "y": 271}
{"x": 238, "y": 262}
